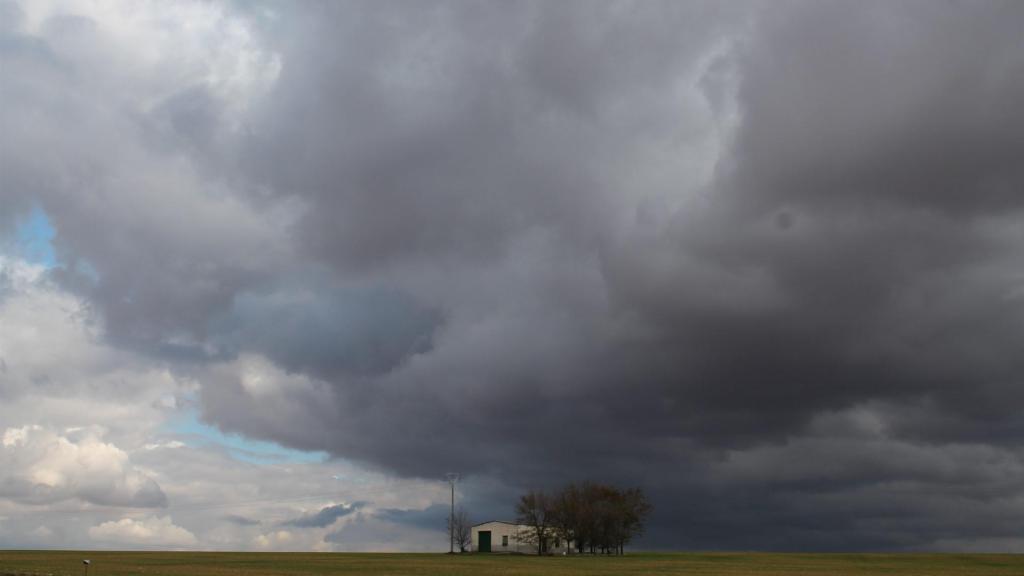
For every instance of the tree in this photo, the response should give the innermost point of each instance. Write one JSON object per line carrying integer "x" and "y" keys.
{"x": 565, "y": 515}
{"x": 631, "y": 510}
{"x": 534, "y": 510}
{"x": 460, "y": 529}
{"x": 595, "y": 517}
{"x": 603, "y": 506}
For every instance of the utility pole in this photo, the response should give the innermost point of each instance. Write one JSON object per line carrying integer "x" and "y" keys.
{"x": 453, "y": 477}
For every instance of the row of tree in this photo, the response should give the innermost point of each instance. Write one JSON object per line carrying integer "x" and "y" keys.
{"x": 590, "y": 517}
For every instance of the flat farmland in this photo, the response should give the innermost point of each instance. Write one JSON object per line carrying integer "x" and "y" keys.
{"x": 68, "y": 563}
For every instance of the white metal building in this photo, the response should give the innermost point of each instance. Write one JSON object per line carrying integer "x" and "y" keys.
{"x": 508, "y": 537}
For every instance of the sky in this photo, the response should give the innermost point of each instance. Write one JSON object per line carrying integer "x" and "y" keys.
{"x": 268, "y": 271}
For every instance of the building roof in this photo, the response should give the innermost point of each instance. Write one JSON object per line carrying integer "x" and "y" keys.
{"x": 495, "y": 522}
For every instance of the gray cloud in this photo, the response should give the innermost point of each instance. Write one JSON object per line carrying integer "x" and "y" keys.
{"x": 325, "y": 517}
{"x": 327, "y": 330}
{"x": 763, "y": 262}
{"x": 911, "y": 104}
{"x": 241, "y": 520}
{"x": 431, "y": 518}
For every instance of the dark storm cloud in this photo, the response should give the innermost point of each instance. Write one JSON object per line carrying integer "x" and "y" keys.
{"x": 911, "y": 104}
{"x": 431, "y": 132}
{"x": 527, "y": 269}
{"x": 850, "y": 251}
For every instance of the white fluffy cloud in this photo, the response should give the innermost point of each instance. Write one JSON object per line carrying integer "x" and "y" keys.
{"x": 41, "y": 466}
{"x": 156, "y": 48}
{"x": 147, "y": 531}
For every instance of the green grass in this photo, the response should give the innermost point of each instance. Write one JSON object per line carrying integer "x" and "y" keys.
{"x": 68, "y": 563}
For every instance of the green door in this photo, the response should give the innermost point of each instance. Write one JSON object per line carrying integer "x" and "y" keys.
{"x": 485, "y": 541}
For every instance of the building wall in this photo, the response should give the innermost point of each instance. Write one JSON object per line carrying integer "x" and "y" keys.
{"x": 500, "y": 530}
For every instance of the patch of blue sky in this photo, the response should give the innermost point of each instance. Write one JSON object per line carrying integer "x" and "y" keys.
{"x": 33, "y": 237}
{"x": 188, "y": 429}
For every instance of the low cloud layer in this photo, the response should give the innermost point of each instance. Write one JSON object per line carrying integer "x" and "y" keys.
{"x": 765, "y": 263}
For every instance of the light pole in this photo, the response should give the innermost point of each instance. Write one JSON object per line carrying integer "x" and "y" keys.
{"x": 453, "y": 477}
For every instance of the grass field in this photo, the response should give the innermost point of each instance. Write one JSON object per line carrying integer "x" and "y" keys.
{"x": 68, "y": 563}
